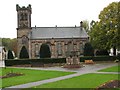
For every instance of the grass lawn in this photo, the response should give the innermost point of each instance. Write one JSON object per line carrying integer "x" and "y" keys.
{"x": 0, "y": 71}
{"x": 111, "y": 69}
{"x": 30, "y": 76}
{"x": 82, "y": 81}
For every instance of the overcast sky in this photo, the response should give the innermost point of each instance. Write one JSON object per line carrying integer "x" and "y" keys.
{"x": 49, "y": 13}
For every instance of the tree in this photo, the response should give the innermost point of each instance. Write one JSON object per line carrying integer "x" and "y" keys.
{"x": 10, "y": 44}
{"x": 45, "y": 51}
{"x": 24, "y": 53}
{"x": 104, "y": 34}
{"x": 102, "y": 52}
{"x": 10, "y": 55}
{"x": 6, "y": 42}
{"x": 88, "y": 50}
{"x": 14, "y": 46}
{"x": 86, "y": 25}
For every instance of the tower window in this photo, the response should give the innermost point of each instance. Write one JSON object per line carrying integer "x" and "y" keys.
{"x": 24, "y": 40}
{"x": 23, "y": 16}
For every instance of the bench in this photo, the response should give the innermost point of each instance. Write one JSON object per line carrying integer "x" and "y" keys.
{"x": 89, "y": 62}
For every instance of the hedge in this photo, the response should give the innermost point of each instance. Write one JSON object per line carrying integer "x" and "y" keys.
{"x": 98, "y": 58}
{"x": 11, "y": 62}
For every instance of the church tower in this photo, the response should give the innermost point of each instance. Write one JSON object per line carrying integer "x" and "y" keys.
{"x": 23, "y": 27}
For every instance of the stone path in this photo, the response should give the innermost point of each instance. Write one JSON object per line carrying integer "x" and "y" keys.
{"x": 108, "y": 72}
{"x": 79, "y": 71}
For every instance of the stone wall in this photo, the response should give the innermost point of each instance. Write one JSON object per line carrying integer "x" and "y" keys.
{"x": 53, "y": 46}
{"x": 21, "y": 33}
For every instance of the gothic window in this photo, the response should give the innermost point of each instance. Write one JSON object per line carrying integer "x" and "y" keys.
{"x": 70, "y": 47}
{"x": 75, "y": 47}
{"x": 81, "y": 47}
{"x": 24, "y": 40}
{"x": 36, "y": 50}
{"x": 59, "y": 49}
{"x": 23, "y": 16}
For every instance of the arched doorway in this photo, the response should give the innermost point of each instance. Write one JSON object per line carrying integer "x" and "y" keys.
{"x": 45, "y": 51}
{"x": 24, "y": 53}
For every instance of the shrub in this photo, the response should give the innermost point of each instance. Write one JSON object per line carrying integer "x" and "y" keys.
{"x": 45, "y": 51}
{"x": 88, "y": 50}
{"x": 32, "y": 61}
{"x": 24, "y": 53}
{"x": 102, "y": 52}
{"x": 118, "y": 56}
{"x": 10, "y": 55}
{"x": 98, "y": 58}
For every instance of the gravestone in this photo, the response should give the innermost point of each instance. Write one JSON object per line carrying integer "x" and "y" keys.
{"x": 72, "y": 60}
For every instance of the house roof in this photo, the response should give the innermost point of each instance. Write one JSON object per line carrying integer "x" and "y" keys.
{"x": 58, "y": 32}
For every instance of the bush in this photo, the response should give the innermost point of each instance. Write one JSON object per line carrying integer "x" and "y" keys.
{"x": 24, "y": 53}
{"x": 45, "y": 51}
{"x": 98, "y": 58}
{"x": 12, "y": 62}
{"x": 118, "y": 56}
{"x": 102, "y": 52}
{"x": 10, "y": 55}
{"x": 32, "y": 61}
{"x": 88, "y": 50}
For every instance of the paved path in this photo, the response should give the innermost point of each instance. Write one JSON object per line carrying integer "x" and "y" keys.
{"x": 108, "y": 72}
{"x": 79, "y": 71}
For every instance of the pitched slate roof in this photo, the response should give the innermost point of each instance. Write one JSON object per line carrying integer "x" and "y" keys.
{"x": 58, "y": 32}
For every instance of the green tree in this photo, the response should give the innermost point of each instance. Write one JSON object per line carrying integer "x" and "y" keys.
{"x": 10, "y": 44}
{"x": 86, "y": 25}
{"x": 104, "y": 34}
{"x": 102, "y": 52}
{"x": 88, "y": 50}
{"x": 6, "y": 42}
{"x": 45, "y": 51}
{"x": 10, "y": 55}
{"x": 14, "y": 45}
{"x": 24, "y": 53}
{"x": 94, "y": 35}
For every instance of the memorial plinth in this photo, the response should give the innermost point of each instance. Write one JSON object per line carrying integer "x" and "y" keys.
{"x": 72, "y": 61}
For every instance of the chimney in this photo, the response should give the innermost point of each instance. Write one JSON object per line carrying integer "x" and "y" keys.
{"x": 81, "y": 24}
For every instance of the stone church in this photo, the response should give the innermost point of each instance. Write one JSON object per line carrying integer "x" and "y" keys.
{"x": 61, "y": 40}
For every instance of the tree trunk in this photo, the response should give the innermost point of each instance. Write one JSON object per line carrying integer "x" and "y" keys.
{"x": 114, "y": 51}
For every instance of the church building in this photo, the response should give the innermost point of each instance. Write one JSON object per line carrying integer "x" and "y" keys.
{"x": 61, "y": 40}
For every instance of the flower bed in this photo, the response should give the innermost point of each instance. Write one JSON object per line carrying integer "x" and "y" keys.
{"x": 11, "y": 75}
{"x": 110, "y": 84}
